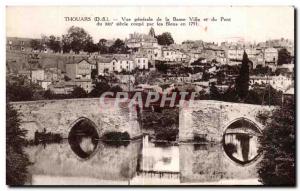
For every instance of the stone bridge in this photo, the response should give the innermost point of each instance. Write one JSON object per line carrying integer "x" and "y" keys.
{"x": 211, "y": 118}
{"x": 59, "y": 116}
{"x": 203, "y": 117}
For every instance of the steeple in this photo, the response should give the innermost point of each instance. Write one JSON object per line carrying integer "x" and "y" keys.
{"x": 152, "y": 32}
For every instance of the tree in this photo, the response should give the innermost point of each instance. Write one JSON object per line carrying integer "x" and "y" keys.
{"x": 118, "y": 47}
{"x": 35, "y": 44}
{"x": 102, "y": 48}
{"x": 90, "y": 47}
{"x": 53, "y": 43}
{"x": 79, "y": 92}
{"x": 165, "y": 39}
{"x": 242, "y": 81}
{"x": 66, "y": 44}
{"x": 116, "y": 89}
{"x": 76, "y": 39}
{"x": 284, "y": 57}
{"x": 99, "y": 88}
{"x": 214, "y": 92}
{"x": 278, "y": 145}
{"x": 161, "y": 67}
{"x": 16, "y": 160}
{"x": 21, "y": 89}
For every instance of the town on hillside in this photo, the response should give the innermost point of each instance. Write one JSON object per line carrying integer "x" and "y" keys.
{"x": 152, "y": 103}
{"x": 73, "y": 66}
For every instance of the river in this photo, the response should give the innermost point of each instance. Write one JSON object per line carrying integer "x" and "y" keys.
{"x": 143, "y": 162}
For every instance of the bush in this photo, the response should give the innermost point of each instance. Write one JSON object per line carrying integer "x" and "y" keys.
{"x": 277, "y": 166}
{"x": 16, "y": 160}
{"x": 116, "y": 139}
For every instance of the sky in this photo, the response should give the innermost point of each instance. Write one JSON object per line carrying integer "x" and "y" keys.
{"x": 249, "y": 23}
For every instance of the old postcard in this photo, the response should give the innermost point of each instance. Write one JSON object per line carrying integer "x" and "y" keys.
{"x": 150, "y": 95}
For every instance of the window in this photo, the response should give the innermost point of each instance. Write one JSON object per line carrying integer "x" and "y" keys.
{"x": 144, "y": 61}
{"x": 22, "y": 43}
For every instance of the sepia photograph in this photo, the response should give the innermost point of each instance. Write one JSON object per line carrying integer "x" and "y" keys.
{"x": 147, "y": 96}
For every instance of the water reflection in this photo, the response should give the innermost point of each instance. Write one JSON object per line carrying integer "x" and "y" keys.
{"x": 140, "y": 162}
{"x": 240, "y": 142}
{"x": 159, "y": 158}
{"x": 241, "y": 148}
{"x": 83, "y": 138}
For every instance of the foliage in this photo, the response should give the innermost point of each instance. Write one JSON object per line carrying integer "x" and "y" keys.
{"x": 164, "y": 123}
{"x": 278, "y": 145}
{"x": 115, "y": 89}
{"x": 53, "y": 43}
{"x": 257, "y": 95}
{"x": 99, "y": 88}
{"x": 242, "y": 81}
{"x": 77, "y": 39}
{"x": 205, "y": 76}
{"x": 266, "y": 96}
{"x": 102, "y": 48}
{"x": 16, "y": 160}
{"x": 116, "y": 138}
{"x": 35, "y": 44}
{"x": 167, "y": 133}
{"x": 165, "y": 39}
{"x": 21, "y": 89}
{"x": 262, "y": 70}
{"x": 118, "y": 47}
{"x": 214, "y": 92}
{"x": 284, "y": 57}
{"x": 162, "y": 67}
{"x": 79, "y": 92}
{"x": 90, "y": 47}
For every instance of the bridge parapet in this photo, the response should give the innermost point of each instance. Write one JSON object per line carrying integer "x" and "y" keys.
{"x": 211, "y": 118}
{"x": 58, "y": 116}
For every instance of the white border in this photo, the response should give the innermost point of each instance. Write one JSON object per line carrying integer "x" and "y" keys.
{"x": 4, "y": 3}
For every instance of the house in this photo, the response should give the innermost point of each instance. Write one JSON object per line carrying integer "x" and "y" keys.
{"x": 141, "y": 61}
{"x": 107, "y": 65}
{"x": 45, "y": 84}
{"x": 85, "y": 84}
{"x": 24, "y": 45}
{"x": 122, "y": 62}
{"x": 125, "y": 63}
{"x": 62, "y": 87}
{"x": 18, "y": 44}
{"x": 137, "y": 40}
{"x": 271, "y": 56}
{"x": 37, "y": 75}
{"x": 67, "y": 87}
{"x": 280, "y": 82}
{"x": 173, "y": 55}
{"x": 148, "y": 88}
{"x": 80, "y": 70}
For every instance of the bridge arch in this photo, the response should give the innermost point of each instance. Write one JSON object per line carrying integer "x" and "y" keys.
{"x": 250, "y": 121}
{"x": 82, "y": 118}
{"x": 240, "y": 146}
{"x": 83, "y": 137}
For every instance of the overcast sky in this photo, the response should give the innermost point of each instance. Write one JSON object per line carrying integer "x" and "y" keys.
{"x": 248, "y": 23}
